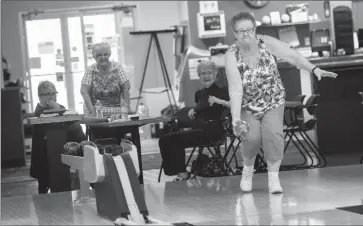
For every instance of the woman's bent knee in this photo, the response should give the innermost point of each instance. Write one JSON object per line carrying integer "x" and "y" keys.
{"x": 251, "y": 147}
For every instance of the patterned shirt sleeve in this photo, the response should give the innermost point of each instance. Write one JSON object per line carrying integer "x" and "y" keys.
{"x": 122, "y": 74}
{"x": 87, "y": 78}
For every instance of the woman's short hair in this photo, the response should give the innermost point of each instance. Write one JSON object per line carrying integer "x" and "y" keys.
{"x": 104, "y": 44}
{"x": 242, "y": 16}
{"x": 206, "y": 63}
{"x": 45, "y": 85}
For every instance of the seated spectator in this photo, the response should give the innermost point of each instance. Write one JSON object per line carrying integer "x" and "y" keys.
{"x": 211, "y": 101}
{"x": 39, "y": 163}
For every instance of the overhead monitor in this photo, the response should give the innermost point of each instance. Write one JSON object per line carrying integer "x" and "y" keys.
{"x": 211, "y": 25}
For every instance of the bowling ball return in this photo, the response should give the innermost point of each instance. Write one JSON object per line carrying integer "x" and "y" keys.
{"x": 118, "y": 192}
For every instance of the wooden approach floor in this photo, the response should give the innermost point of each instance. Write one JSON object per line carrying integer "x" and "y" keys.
{"x": 311, "y": 197}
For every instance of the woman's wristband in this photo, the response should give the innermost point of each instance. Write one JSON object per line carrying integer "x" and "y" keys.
{"x": 313, "y": 71}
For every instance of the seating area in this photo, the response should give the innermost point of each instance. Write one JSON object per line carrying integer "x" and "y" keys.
{"x": 296, "y": 129}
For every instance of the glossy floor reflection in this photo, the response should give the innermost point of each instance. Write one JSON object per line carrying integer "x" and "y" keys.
{"x": 311, "y": 197}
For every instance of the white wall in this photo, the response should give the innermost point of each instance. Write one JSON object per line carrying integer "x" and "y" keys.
{"x": 183, "y": 10}
{"x": 153, "y": 15}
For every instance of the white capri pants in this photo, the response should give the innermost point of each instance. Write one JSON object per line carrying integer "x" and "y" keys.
{"x": 266, "y": 132}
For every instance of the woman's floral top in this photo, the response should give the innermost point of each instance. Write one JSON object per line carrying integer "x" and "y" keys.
{"x": 262, "y": 86}
{"x": 106, "y": 87}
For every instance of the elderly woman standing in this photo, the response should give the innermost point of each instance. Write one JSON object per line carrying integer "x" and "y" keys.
{"x": 105, "y": 81}
{"x": 258, "y": 95}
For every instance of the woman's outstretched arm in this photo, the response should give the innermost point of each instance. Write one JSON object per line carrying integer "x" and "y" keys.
{"x": 284, "y": 52}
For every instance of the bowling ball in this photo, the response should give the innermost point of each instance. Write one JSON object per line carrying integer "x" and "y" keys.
{"x": 126, "y": 145}
{"x": 117, "y": 150}
{"x": 266, "y": 20}
{"x": 84, "y": 143}
{"x": 241, "y": 129}
{"x": 285, "y": 18}
{"x": 71, "y": 148}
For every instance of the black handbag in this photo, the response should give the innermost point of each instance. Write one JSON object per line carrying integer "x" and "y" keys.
{"x": 206, "y": 166}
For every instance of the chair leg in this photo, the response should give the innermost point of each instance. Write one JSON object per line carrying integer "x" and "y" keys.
{"x": 289, "y": 135}
{"x": 231, "y": 147}
{"x": 200, "y": 152}
{"x": 161, "y": 170}
{"x": 361, "y": 160}
{"x": 307, "y": 141}
{"x": 316, "y": 148}
{"x": 161, "y": 167}
{"x": 224, "y": 161}
{"x": 307, "y": 152}
{"x": 297, "y": 146}
{"x": 190, "y": 156}
{"x": 298, "y": 166}
{"x": 234, "y": 154}
{"x": 227, "y": 151}
{"x": 260, "y": 163}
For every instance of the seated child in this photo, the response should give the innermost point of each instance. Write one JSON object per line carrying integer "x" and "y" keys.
{"x": 39, "y": 163}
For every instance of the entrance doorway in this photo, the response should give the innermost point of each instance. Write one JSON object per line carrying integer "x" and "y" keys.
{"x": 58, "y": 47}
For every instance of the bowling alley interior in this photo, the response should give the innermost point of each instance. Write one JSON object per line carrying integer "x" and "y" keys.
{"x": 220, "y": 112}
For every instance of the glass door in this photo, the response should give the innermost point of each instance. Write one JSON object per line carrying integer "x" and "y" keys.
{"x": 46, "y": 57}
{"x": 85, "y": 32}
{"x": 66, "y": 52}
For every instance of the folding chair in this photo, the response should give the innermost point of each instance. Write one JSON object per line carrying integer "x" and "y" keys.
{"x": 260, "y": 163}
{"x": 289, "y": 130}
{"x": 181, "y": 121}
{"x": 297, "y": 125}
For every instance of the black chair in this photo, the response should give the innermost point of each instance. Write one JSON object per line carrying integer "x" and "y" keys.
{"x": 290, "y": 130}
{"x": 297, "y": 125}
{"x": 260, "y": 163}
{"x": 181, "y": 121}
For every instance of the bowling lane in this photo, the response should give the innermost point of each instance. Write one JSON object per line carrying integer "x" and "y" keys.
{"x": 310, "y": 197}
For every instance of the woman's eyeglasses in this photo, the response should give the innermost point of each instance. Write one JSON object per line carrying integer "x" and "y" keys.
{"x": 48, "y": 94}
{"x": 247, "y": 31}
{"x": 99, "y": 55}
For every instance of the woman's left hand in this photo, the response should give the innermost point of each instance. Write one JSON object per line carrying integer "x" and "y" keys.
{"x": 53, "y": 105}
{"x": 213, "y": 99}
{"x": 319, "y": 73}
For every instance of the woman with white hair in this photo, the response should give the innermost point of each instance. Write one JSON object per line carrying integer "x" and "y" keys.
{"x": 258, "y": 95}
{"x": 211, "y": 102}
{"x": 105, "y": 81}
